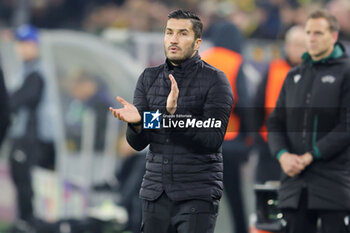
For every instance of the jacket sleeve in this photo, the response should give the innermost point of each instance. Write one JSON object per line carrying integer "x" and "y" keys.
{"x": 138, "y": 140}
{"x": 337, "y": 139}
{"x": 4, "y": 108}
{"x": 29, "y": 94}
{"x": 217, "y": 105}
{"x": 276, "y": 126}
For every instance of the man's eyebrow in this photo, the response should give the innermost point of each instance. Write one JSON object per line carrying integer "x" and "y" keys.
{"x": 181, "y": 30}
{"x": 315, "y": 31}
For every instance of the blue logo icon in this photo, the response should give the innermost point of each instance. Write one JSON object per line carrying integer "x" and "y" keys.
{"x": 151, "y": 120}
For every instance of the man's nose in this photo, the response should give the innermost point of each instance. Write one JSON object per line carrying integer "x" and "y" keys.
{"x": 174, "y": 39}
{"x": 312, "y": 37}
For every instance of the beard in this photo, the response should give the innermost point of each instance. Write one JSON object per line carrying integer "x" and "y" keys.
{"x": 186, "y": 54}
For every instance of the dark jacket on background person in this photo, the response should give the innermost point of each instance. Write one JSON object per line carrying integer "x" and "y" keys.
{"x": 4, "y": 108}
{"x": 27, "y": 98}
{"x": 310, "y": 116}
{"x": 185, "y": 163}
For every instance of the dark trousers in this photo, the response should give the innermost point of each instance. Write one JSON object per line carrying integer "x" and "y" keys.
{"x": 234, "y": 155}
{"x": 24, "y": 155}
{"x": 166, "y": 216}
{"x": 22, "y": 158}
{"x": 303, "y": 220}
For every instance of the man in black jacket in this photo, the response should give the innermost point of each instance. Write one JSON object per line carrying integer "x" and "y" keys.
{"x": 309, "y": 133}
{"x": 183, "y": 180}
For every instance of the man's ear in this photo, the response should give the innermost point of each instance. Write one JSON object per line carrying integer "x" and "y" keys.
{"x": 197, "y": 43}
{"x": 335, "y": 36}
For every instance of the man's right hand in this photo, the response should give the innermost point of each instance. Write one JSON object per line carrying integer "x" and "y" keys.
{"x": 291, "y": 164}
{"x": 128, "y": 113}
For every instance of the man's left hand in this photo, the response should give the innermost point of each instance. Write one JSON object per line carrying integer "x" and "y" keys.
{"x": 171, "y": 102}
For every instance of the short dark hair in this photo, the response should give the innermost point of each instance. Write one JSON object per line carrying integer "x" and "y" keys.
{"x": 331, "y": 19}
{"x": 197, "y": 25}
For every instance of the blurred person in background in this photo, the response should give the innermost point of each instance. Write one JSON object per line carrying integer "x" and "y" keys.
{"x": 268, "y": 168}
{"x": 4, "y": 108}
{"x": 226, "y": 56}
{"x": 308, "y": 132}
{"x": 341, "y": 10}
{"x": 31, "y": 132}
{"x": 182, "y": 185}
{"x": 269, "y": 22}
{"x": 90, "y": 95}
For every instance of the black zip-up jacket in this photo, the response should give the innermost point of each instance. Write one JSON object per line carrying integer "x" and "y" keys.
{"x": 312, "y": 115}
{"x": 185, "y": 163}
{"x": 28, "y": 97}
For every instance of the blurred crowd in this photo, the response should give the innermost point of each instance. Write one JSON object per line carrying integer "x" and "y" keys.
{"x": 267, "y": 19}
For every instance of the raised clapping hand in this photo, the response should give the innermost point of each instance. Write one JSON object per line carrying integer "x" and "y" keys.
{"x": 171, "y": 102}
{"x": 128, "y": 113}
{"x": 293, "y": 164}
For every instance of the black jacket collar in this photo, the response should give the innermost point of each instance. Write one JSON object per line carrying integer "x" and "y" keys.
{"x": 185, "y": 66}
